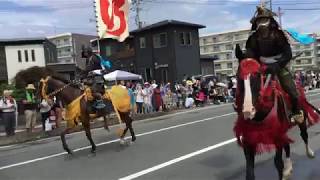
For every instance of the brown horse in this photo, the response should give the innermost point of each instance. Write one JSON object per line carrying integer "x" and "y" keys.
{"x": 53, "y": 85}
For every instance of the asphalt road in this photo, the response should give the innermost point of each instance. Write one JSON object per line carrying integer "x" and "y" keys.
{"x": 196, "y": 145}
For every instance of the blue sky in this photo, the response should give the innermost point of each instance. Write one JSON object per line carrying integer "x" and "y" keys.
{"x": 39, "y": 18}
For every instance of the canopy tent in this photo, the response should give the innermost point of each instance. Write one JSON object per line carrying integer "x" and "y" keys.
{"x": 121, "y": 75}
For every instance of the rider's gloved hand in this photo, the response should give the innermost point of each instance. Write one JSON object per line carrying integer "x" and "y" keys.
{"x": 273, "y": 69}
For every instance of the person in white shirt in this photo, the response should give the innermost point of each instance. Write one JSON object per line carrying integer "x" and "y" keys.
{"x": 189, "y": 102}
{"x": 139, "y": 98}
{"x": 8, "y": 107}
{"x": 147, "y": 94}
{"x": 45, "y": 109}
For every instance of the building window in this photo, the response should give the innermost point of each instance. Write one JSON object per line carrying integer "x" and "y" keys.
{"x": 216, "y": 48}
{"x": 229, "y": 65}
{"x": 307, "y": 46}
{"x": 19, "y": 56}
{"x": 205, "y": 49}
{"x": 308, "y": 53}
{"x": 216, "y": 57}
{"x": 33, "y": 56}
{"x": 185, "y": 38}
{"x": 214, "y": 40}
{"x": 228, "y": 56}
{"x": 181, "y": 38}
{"x": 66, "y": 41}
{"x": 26, "y": 55}
{"x": 228, "y": 38}
{"x": 228, "y": 47}
{"x": 204, "y": 41}
{"x": 189, "y": 38}
{"x": 237, "y": 36}
{"x": 309, "y": 61}
{"x": 108, "y": 51}
{"x": 217, "y": 66}
{"x": 298, "y": 62}
{"x": 160, "y": 40}
{"x": 142, "y": 42}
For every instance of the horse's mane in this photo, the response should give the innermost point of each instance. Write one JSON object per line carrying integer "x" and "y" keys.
{"x": 34, "y": 74}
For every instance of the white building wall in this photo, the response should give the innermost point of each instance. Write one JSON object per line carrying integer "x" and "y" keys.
{"x": 13, "y": 64}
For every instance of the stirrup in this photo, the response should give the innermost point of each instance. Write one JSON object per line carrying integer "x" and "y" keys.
{"x": 298, "y": 118}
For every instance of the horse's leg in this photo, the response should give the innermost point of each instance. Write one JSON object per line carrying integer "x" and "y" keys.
{"x": 106, "y": 127}
{"x": 304, "y": 135}
{"x": 249, "y": 154}
{"x": 129, "y": 125}
{"x": 278, "y": 161}
{"x": 287, "y": 171}
{"x": 63, "y": 140}
{"x": 86, "y": 125}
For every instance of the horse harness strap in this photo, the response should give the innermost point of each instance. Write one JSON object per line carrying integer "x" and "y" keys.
{"x": 45, "y": 84}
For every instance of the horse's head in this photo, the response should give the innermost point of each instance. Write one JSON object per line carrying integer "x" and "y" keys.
{"x": 44, "y": 88}
{"x": 249, "y": 80}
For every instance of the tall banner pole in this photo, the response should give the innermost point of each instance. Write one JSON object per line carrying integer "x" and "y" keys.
{"x": 97, "y": 29}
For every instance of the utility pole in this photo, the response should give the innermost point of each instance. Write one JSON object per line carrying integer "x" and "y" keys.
{"x": 137, "y": 19}
{"x": 280, "y": 13}
{"x": 270, "y": 3}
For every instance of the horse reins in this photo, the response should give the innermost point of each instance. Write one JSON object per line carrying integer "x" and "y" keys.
{"x": 45, "y": 84}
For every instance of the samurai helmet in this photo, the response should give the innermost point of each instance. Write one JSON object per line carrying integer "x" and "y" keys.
{"x": 262, "y": 12}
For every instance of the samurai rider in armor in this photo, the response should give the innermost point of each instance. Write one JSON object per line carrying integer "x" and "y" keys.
{"x": 269, "y": 45}
{"x": 96, "y": 67}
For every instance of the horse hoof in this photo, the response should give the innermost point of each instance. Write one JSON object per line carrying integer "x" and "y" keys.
{"x": 310, "y": 154}
{"x": 122, "y": 142}
{"x": 288, "y": 169}
{"x": 69, "y": 152}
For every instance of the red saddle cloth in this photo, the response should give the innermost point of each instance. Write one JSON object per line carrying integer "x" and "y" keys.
{"x": 268, "y": 134}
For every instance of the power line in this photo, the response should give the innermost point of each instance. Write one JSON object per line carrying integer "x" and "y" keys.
{"x": 303, "y": 9}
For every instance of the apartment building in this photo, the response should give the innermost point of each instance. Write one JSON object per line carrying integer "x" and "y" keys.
{"x": 69, "y": 48}
{"x": 221, "y": 46}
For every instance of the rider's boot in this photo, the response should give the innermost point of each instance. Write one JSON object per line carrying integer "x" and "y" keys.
{"x": 297, "y": 115}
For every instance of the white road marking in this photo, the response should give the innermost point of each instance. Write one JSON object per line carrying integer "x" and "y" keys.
{"x": 109, "y": 142}
{"x": 4, "y": 147}
{"x": 149, "y": 119}
{"x": 135, "y": 122}
{"x": 176, "y": 160}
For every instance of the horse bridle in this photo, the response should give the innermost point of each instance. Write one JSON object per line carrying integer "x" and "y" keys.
{"x": 44, "y": 87}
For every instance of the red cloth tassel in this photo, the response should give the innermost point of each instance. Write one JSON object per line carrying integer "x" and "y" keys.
{"x": 248, "y": 66}
{"x": 265, "y": 136}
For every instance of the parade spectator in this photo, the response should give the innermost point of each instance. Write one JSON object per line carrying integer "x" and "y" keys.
{"x": 30, "y": 107}
{"x": 45, "y": 109}
{"x": 147, "y": 98}
{"x": 157, "y": 98}
{"x": 57, "y": 108}
{"x": 180, "y": 97}
{"x": 189, "y": 102}
{"x": 139, "y": 99}
{"x": 8, "y": 107}
{"x": 132, "y": 96}
{"x": 200, "y": 98}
